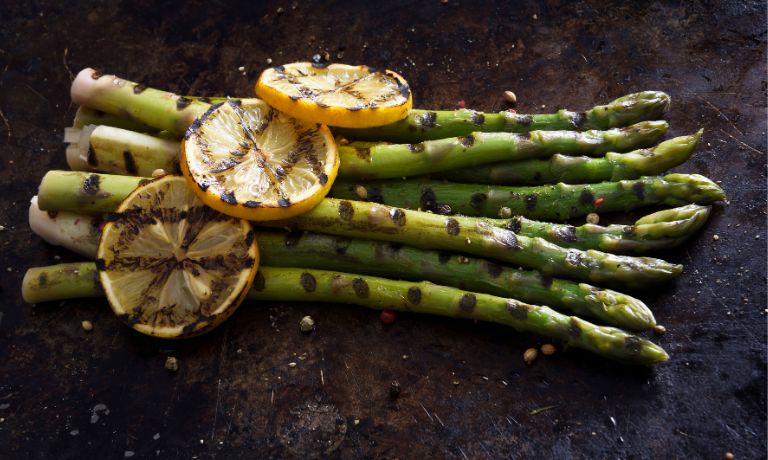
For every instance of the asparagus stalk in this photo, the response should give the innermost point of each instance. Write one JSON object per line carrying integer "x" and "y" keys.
{"x": 580, "y": 170}
{"x": 298, "y": 284}
{"x": 155, "y": 108}
{"x": 65, "y": 191}
{"x": 84, "y": 192}
{"x": 422, "y": 125}
{"x": 481, "y": 238}
{"x": 60, "y": 282}
{"x": 167, "y": 111}
{"x": 314, "y": 250}
{"x": 545, "y": 202}
{"x": 77, "y": 232}
{"x": 88, "y": 116}
{"x": 397, "y": 160}
{"x": 662, "y": 230}
{"x": 120, "y": 151}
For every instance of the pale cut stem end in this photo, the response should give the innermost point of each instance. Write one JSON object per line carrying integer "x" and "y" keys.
{"x": 77, "y": 150}
{"x": 68, "y": 229}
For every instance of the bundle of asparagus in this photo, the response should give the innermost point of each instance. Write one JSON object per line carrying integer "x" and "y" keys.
{"x": 417, "y": 230}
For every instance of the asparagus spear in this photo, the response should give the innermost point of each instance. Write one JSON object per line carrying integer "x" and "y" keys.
{"x": 88, "y": 116}
{"x": 69, "y": 191}
{"x": 397, "y": 160}
{"x": 167, "y": 111}
{"x": 155, "y": 108}
{"x": 662, "y": 230}
{"x": 77, "y": 232}
{"x": 298, "y": 284}
{"x": 314, "y": 250}
{"x": 545, "y": 202}
{"x": 84, "y": 192}
{"x": 422, "y": 125}
{"x": 115, "y": 150}
{"x": 580, "y": 170}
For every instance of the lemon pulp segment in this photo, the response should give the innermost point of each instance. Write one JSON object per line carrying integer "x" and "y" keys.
{"x": 172, "y": 267}
{"x": 246, "y": 159}
{"x": 336, "y": 94}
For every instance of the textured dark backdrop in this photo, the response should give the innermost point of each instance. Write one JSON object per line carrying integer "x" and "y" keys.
{"x": 65, "y": 393}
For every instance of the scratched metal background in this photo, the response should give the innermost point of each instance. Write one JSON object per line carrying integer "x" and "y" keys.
{"x": 65, "y": 393}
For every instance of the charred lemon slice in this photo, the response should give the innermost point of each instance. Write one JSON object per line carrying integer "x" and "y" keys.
{"x": 248, "y": 160}
{"x": 172, "y": 267}
{"x": 336, "y": 94}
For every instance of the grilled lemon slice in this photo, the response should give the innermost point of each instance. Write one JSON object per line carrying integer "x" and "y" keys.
{"x": 172, "y": 267}
{"x": 246, "y": 159}
{"x": 336, "y": 94}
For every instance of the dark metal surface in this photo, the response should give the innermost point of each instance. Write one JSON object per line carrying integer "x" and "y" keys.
{"x": 465, "y": 392}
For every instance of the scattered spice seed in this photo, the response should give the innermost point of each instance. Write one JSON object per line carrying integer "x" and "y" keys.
{"x": 548, "y": 349}
{"x": 361, "y": 192}
{"x": 292, "y": 364}
{"x": 505, "y": 213}
{"x": 307, "y": 324}
{"x": 593, "y": 218}
{"x": 715, "y": 237}
{"x": 599, "y": 202}
{"x": 456, "y": 382}
{"x": 172, "y": 364}
{"x": 530, "y": 355}
{"x": 659, "y": 329}
{"x": 728, "y": 456}
{"x": 158, "y": 172}
{"x": 510, "y": 97}
{"x": 387, "y": 316}
{"x": 394, "y": 389}
{"x": 87, "y": 325}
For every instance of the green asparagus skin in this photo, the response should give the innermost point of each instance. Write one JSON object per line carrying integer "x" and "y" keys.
{"x": 639, "y": 238}
{"x": 59, "y": 282}
{"x": 398, "y": 160}
{"x": 171, "y": 112}
{"x": 299, "y": 284}
{"x": 580, "y": 170}
{"x": 119, "y": 151}
{"x": 422, "y": 125}
{"x": 661, "y": 230}
{"x": 323, "y": 252}
{"x": 87, "y": 116}
{"x": 480, "y": 238}
{"x": 426, "y": 230}
{"x": 543, "y": 202}
{"x": 155, "y": 108}
{"x": 84, "y": 192}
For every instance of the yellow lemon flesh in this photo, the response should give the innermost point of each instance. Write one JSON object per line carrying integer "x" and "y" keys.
{"x": 172, "y": 267}
{"x": 336, "y": 94}
{"x": 248, "y": 160}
